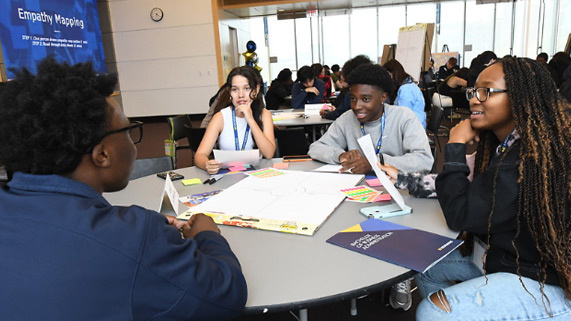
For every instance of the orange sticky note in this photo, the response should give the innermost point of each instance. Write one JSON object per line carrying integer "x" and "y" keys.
{"x": 281, "y": 165}
{"x": 382, "y": 198}
{"x": 374, "y": 182}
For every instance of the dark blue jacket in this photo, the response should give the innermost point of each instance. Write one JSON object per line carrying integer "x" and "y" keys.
{"x": 300, "y": 97}
{"x": 467, "y": 206}
{"x": 342, "y": 104}
{"x": 67, "y": 254}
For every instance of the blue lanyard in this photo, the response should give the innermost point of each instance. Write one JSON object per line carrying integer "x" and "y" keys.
{"x": 502, "y": 148}
{"x": 380, "y": 142}
{"x": 504, "y": 145}
{"x": 236, "y": 132}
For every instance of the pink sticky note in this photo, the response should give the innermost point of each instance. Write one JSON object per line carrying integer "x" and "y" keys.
{"x": 374, "y": 182}
{"x": 237, "y": 168}
{"x": 382, "y": 198}
{"x": 281, "y": 165}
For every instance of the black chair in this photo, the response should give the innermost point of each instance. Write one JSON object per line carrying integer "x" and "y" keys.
{"x": 178, "y": 132}
{"x": 291, "y": 141}
{"x": 433, "y": 128}
{"x": 148, "y": 166}
{"x": 194, "y": 136}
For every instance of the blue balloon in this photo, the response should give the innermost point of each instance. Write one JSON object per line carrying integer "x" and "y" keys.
{"x": 250, "y": 63}
{"x": 251, "y": 46}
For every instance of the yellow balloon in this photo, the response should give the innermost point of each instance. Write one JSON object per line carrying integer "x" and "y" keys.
{"x": 257, "y": 67}
{"x": 248, "y": 55}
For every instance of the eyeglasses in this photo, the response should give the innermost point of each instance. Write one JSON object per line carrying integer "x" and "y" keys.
{"x": 135, "y": 129}
{"x": 482, "y": 93}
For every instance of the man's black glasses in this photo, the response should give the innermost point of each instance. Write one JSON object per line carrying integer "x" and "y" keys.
{"x": 135, "y": 129}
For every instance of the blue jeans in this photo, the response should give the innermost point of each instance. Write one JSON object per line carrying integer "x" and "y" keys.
{"x": 501, "y": 298}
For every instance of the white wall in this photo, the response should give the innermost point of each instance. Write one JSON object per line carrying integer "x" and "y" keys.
{"x": 242, "y": 26}
{"x": 166, "y": 67}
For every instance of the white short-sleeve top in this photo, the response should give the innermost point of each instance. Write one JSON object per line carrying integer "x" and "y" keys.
{"x": 226, "y": 139}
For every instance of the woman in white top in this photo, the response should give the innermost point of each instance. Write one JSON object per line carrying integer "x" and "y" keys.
{"x": 245, "y": 124}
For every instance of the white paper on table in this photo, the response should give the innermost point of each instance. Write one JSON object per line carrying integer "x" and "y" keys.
{"x": 313, "y": 109}
{"x": 172, "y": 194}
{"x": 230, "y": 158}
{"x": 295, "y": 197}
{"x": 367, "y": 147}
{"x": 330, "y": 168}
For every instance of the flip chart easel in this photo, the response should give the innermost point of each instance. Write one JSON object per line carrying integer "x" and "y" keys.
{"x": 389, "y": 52}
{"x": 413, "y": 48}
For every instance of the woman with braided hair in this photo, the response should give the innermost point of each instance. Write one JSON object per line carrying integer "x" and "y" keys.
{"x": 517, "y": 204}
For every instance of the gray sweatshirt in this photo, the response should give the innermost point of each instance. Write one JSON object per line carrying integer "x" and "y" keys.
{"x": 405, "y": 144}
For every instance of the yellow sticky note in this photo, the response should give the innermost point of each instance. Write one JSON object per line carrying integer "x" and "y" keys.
{"x": 191, "y": 181}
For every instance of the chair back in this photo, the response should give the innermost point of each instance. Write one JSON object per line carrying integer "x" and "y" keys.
{"x": 194, "y": 136}
{"x": 149, "y": 166}
{"x": 177, "y": 124}
{"x": 436, "y": 115}
{"x": 291, "y": 141}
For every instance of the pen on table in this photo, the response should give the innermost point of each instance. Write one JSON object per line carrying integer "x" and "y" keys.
{"x": 215, "y": 179}
{"x": 207, "y": 181}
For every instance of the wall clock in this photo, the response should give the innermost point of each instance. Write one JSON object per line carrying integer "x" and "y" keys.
{"x": 157, "y": 14}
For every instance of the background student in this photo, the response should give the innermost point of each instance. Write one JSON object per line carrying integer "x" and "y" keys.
{"x": 243, "y": 125}
{"x": 517, "y": 204}
{"x": 307, "y": 89}
{"x": 220, "y": 100}
{"x": 452, "y": 90}
{"x": 336, "y": 76}
{"x": 320, "y": 72}
{"x": 67, "y": 254}
{"x": 280, "y": 88}
{"x": 478, "y": 64}
{"x": 449, "y": 68}
{"x": 395, "y": 131}
{"x": 406, "y": 92}
{"x": 343, "y": 101}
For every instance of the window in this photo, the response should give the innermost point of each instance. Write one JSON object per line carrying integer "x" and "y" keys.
{"x": 334, "y": 36}
{"x": 519, "y": 29}
{"x": 503, "y": 37}
{"x": 549, "y": 27}
{"x": 451, "y": 27}
{"x": 390, "y": 19}
{"x": 420, "y": 13}
{"x": 564, "y": 25}
{"x": 335, "y": 39}
{"x": 303, "y": 34}
{"x": 363, "y": 34}
{"x": 479, "y": 29}
{"x": 282, "y": 45}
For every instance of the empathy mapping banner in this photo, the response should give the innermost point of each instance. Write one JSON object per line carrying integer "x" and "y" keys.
{"x": 30, "y": 30}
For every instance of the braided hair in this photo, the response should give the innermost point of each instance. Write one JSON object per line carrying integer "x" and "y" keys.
{"x": 542, "y": 120}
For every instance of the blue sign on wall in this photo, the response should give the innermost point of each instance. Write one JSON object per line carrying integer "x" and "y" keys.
{"x": 30, "y": 30}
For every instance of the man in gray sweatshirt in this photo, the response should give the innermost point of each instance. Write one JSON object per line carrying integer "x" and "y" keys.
{"x": 404, "y": 143}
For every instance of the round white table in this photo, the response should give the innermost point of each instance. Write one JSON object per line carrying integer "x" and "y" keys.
{"x": 287, "y": 271}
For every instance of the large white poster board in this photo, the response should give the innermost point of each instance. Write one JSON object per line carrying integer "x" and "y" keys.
{"x": 294, "y": 202}
{"x": 410, "y": 49}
